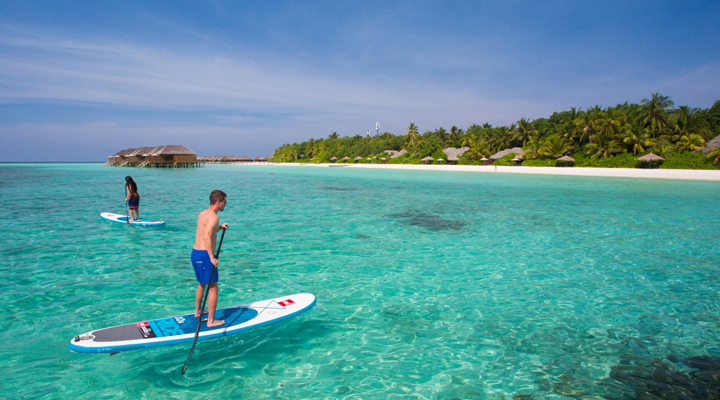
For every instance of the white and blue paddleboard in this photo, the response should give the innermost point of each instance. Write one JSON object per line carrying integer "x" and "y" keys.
{"x": 123, "y": 219}
{"x": 181, "y": 329}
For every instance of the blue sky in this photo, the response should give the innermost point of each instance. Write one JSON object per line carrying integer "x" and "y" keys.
{"x": 80, "y": 80}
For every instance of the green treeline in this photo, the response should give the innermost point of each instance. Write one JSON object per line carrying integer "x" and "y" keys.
{"x": 596, "y": 137}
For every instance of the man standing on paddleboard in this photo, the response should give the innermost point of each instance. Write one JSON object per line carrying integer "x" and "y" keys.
{"x": 202, "y": 256}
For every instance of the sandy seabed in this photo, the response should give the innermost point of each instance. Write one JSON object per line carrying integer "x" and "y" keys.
{"x": 681, "y": 174}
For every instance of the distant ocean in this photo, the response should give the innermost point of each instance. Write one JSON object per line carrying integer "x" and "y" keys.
{"x": 430, "y": 284}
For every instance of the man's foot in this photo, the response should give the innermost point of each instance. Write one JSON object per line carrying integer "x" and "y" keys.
{"x": 197, "y": 313}
{"x": 216, "y": 322}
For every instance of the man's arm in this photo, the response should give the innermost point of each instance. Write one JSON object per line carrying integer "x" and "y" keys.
{"x": 208, "y": 232}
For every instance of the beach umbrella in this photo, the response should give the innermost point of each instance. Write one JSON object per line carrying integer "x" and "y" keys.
{"x": 566, "y": 159}
{"x": 649, "y": 158}
{"x": 345, "y": 158}
{"x": 427, "y": 159}
{"x": 333, "y": 159}
{"x": 358, "y": 158}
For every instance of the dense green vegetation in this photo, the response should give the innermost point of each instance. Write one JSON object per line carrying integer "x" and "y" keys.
{"x": 613, "y": 137}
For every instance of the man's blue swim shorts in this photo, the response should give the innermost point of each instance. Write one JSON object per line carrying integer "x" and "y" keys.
{"x": 203, "y": 266}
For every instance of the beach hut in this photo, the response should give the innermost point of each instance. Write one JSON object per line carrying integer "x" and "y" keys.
{"x": 500, "y": 154}
{"x": 358, "y": 158}
{"x": 453, "y": 154}
{"x": 261, "y": 159}
{"x": 485, "y": 161}
{"x": 427, "y": 160}
{"x": 346, "y": 158}
{"x": 650, "y": 158}
{"x": 564, "y": 161}
{"x": 711, "y": 144}
{"x": 333, "y": 159}
{"x": 398, "y": 154}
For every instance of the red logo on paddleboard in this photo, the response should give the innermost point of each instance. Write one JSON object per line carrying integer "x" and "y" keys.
{"x": 145, "y": 329}
{"x": 286, "y": 303}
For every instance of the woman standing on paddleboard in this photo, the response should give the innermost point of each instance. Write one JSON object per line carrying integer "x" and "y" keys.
{"x": 132, "y": 197}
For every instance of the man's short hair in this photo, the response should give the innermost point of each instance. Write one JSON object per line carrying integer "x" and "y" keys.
{"x": 217, "y": 195}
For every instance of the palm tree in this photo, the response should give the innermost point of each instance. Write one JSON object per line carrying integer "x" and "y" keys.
{"x": 441, "y": 134}
{"x": 522, "y": 132}
{"x": 637, "y": 138}
{"x": 333, "y": 136}
{"x": 532, "y": 148}
{"x": 604, "y": 145}
{"x": 714, "y": 156}
{"x": 691, "y": 142}
{"x": 586, "y": 121}
{"x": 456, "y": 134}
{"x": 554, "y": 147}
{"x": 478, "y": 148}
{"x": 412, "y": 134}
{"x": 655, "y": 113}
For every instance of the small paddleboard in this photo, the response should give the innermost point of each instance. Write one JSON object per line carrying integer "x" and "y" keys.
{"x": 181, "y": 329}
{"x": 123, "y": 219}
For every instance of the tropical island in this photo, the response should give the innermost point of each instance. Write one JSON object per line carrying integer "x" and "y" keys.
{"x": 653, "y": 133}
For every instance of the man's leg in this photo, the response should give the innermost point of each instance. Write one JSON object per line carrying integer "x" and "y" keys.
{"x": 198, "y": 298}
{"x": 212, "y": 305}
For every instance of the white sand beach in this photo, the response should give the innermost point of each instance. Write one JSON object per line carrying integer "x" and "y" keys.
{"x": 681, "y": 174}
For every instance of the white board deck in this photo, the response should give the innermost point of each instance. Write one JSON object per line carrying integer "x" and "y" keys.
{"x": 181, "y": 329}
{"x": 123, "y": 219}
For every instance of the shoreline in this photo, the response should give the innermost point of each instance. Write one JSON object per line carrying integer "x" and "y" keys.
{"x": 675, "y": 174}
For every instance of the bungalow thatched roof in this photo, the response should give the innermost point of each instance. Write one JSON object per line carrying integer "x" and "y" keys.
{"x": 144, "y": 151}
{"x": 566, "y": 159}
{"x": 399, "y": 154}
{"x": 454, "y": 154}
{"x": 650, "y": 158}
{"x": 500, "y": 154}
{"x": 358, "y": 158}
{"x": 345, "y": 158}
{"x": 173, "y": 150}
{"x": 428, "y": 158}
{"x": 126, "y": 152}
{"x": 333, "y": 158}
{"x": 711, "y": 144}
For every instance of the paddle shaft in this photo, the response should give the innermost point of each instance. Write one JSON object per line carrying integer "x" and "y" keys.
{"x": 202, "y": 308}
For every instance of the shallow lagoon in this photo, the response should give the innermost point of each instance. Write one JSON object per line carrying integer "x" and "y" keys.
{"x": 429, "y": 284}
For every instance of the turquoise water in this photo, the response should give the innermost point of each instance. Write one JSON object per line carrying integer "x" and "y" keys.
{"x": 430, "y": 285}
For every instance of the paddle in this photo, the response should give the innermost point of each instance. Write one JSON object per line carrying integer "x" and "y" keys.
{"x": 202, "y": 309}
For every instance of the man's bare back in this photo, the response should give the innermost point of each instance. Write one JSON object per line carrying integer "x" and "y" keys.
{"x": 207, "y": 225}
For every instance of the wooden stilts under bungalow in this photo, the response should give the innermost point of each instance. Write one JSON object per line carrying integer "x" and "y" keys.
{"x": 169, "y": 156}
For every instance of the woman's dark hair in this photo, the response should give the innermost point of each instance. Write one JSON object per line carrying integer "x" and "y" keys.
{"x": 130, "y": 183}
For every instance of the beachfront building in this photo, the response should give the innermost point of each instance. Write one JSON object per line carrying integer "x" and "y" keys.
{"x": 501, "y": 154}
{"x": 168, "y": 156}
{"x": 395, "y": 153}
{"x": 453, "y": 154}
